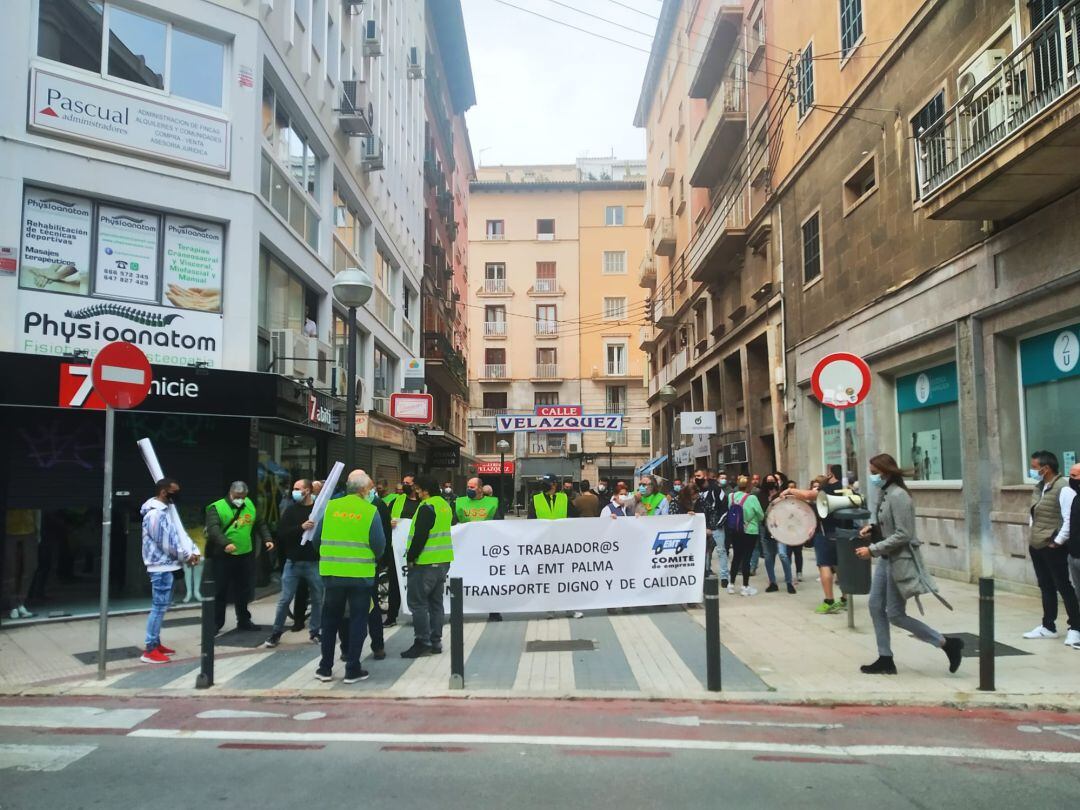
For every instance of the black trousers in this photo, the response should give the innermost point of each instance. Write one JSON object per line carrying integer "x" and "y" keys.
{"x": 300, "y": 603}
{"x": 375, "y": 630}
{"x": 1052, "y": 573}
{"x": 233, "y": 578}
{"x": 744, "y": 546}
{"x": 394, "y": 597}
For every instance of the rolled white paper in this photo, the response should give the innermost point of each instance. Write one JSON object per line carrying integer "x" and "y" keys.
{"x": 327, "y": 492}
{"x": 156, "y": 474}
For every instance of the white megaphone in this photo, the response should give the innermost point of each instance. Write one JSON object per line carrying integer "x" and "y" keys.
{"x": 845, "y": 499}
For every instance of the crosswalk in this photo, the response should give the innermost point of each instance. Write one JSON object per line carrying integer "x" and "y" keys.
{"x": 661, "y": 653}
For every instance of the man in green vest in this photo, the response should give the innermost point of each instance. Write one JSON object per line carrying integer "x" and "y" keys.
{"x": 402, "y": 507}
{"x": 232, "y": 530}
{"x": 651, "y": 497}
{"x": 478, "y": 504}
{"x": 351, "y": 541}
{"x": 1050, "y": 529}
{"x": 549, "y": 503}
{"x": 429, "y": 552}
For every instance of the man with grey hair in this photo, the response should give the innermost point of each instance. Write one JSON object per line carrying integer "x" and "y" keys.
{"x": 232, "y": 530}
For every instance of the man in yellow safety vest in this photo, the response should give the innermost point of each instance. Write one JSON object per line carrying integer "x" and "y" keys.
{"x": 233, "y": 530}
{"x": 550, "y": 504}
{"x": 429, "y": 552}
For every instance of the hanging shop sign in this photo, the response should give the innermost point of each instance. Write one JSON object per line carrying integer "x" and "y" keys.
{"x": 492, "y": 468}
{"x": 533, "y": 423}
{"x": 445, "y": 457}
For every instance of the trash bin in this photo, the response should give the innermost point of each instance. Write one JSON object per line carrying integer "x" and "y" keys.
{"x": 852, "y": 573}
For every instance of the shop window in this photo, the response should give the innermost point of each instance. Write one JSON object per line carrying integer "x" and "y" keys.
{"x": 1050, "y": 376}
{"x": 928, "y": 421}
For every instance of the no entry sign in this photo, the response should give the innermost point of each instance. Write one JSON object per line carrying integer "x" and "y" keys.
{"x": 121, "y": 375}
{"x": 841, "y": 380}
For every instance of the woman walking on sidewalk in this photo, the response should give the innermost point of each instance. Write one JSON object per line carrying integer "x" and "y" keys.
{"x": 900, "y": 574}
{"x": 743, "y": 523}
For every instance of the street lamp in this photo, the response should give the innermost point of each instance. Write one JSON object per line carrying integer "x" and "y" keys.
{"x": 352, "y": 289}
{"x": 503, "y": 445}
{"x": 667, "y": 395}
{"x": 610, "y": 465}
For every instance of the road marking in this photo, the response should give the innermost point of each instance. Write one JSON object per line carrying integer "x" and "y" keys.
{"x": 1072, "y": 732}
{"x": 235, "y": 714}
{"x": 848, "y": 751}
{"x": 73, "y": 717}
{"x": 309, "y": 716}
{"x": 42, "y": 757}
{"x": 694, "y": 722}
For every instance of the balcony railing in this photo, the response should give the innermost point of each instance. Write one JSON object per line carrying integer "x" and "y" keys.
{"x": 618, "y": 435}
{"x": 647, "y": 271}
{"x": 495, "y": 237}
{"x": 616, "y": 369}
{"x": 494, "y": 328}
{"x": 545, "y": 285}
{"x": 495, "y": 285}
{"x": 438, "y": 348}
{"x": 721, "y": 130}
{"x": 495, "y": 371}
{"x": 663, "y": 237}
{"x": 547, "y": 371}
{"x": 484, "y": 417}
{"x": 1040, "y": 71}
{"x": 547, "y": 328}
{"x": 720, "y": 236}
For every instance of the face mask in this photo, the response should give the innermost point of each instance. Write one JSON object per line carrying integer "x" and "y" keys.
{"x": 237, "y": 501}
{"x": 723, "y": 482}
{"x": 627, "y": 500}
{"x": 642, "y": 489}
{"x": 875, "y": 479}
{"x": 677, "y": 488}
{"x": 447, "y": 491}
{"x": 1075, "y": 484}
{"x": 297, "y": 495}
{"x": 1034, "y": 475}
{"x": 372, "y": 496}
{"x": 700, "y": 482}
{"x": 173, "y": 497}
{"x": 471, "y": 493}
{"x": 601, "y": 488}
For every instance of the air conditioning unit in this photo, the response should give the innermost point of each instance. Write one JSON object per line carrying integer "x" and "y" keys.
{"x": 371, "y": 159}
{"x": 416, "y": 70}
{"x": 351, "y": 117}
{"x": 981, "y": 67}
{"x": 574, "y": 447}
{"x": 282, "y": 351}
{"x": 372, "y": 46}
{"x": 320, "y": 360}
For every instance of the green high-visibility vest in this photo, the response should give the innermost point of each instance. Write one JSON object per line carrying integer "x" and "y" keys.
{"x": 389, "y": 498}
{"x": 398, "y": 506}
{"x": 346, "y": 550}
{"x": 439, "y": 547}
{"x": 471, "y": 510}
{"x": 544, "y": 511}
{"x": 652, "y": 501}
{"x": 239, "y": 533}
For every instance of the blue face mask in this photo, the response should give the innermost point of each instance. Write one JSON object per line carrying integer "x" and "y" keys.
{"x": 676, "y": 488}
{"x": 1034, "y": 475}
{"x": 372, "y": 496}
{"x": 876, "y": 479}
{"x": 297, "y": 495}
{"x": 642, "y": 489}
{"x": 470, "y": 493}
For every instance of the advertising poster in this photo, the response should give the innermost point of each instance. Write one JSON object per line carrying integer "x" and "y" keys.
{"x": 194, "y": 252}
{"x": 55, "y": 242}
{"x": 926, "y": 455}
{"x": 127, "y": 251}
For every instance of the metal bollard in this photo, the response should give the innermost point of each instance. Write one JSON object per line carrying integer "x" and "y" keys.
{"x": 986, "y": 634}
{"x": 208, "y": 588}
{"x": 712, "y": 633}
{"x": 457, "y": 634}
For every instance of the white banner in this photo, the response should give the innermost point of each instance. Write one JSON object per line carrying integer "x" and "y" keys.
{"x": 127, "y": 254}
{"x": 534, "y": 423}
{"x": 517, "y": 566}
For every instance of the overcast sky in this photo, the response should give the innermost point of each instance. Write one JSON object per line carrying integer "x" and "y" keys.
{"x": 546, "y": 93}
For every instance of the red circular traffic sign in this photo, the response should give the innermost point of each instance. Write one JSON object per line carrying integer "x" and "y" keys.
{"x": 841, "y": 380}
{"x": 121, "y": 375}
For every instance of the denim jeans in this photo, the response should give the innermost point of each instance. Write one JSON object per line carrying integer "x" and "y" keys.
{"x": 290, "y": 578}
{"x": 425, "y": 599}
{"x": 339, "y": 592}
{"x": 722, "y": 550}
{"x": 773, "y": 548}
{"x": 161, "y": 588}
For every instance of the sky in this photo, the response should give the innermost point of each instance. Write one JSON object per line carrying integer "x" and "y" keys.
{"x": 546, "y": 93}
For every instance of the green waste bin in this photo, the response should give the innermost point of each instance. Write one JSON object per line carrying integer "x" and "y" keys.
{"x": 853, "y": 574}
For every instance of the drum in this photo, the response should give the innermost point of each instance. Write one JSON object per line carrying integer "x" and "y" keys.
{"x": 791, "y": 521}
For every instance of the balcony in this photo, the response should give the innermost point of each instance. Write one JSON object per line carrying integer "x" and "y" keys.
{"x": 495, "y": 329}
{"x": 547, "y": 329}
{"x": 547, "y": 371}
{"x": 721, "y": 131}
{"x": 678, "y": 365}
{"x": 616, "y": 370}
{"x": 663, "y": 237}
{"x": 495, "y": 287}
{"x": 647, "y": 337}
{"x": 495, "y": 372}
{"x": 649, "y": 217}
{"x": 444, "y": 365}
{"x": 663, "y": 313}
{"x": 484, "y": 418}
{"x": 647, "y": 271}
{"x": 667, "y": 171}
{"x": 720, "y": 238}
{"x": 1011, "y": 143}
{"x": 546, "y": 286}
{"x": 713, "y": 47}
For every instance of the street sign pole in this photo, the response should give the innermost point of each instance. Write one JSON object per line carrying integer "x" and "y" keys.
{"x": 842, "y": 414}
{"x": 106, "y": 542}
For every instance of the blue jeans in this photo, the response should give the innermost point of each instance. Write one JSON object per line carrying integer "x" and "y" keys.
{"x": 772, "y": 548}
{"x": 425, "y": 600}
{"x": 722, "y": 551}
{"x": 340, "y": 592}
{"x": 161, "y": 588}
{"x": 292, "y": 575}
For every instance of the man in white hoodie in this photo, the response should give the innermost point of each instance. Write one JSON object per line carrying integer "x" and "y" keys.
{"x": 165, "y": 550}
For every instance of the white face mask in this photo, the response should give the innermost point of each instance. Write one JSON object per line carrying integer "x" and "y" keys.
{"x": 237, "y": 501}
{"x": 627, "y": 500}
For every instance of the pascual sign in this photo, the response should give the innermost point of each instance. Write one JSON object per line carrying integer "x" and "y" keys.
{"x": 88, "y": 112}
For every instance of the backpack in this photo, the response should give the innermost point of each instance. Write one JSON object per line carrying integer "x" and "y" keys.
{"x": 735, "y": 522}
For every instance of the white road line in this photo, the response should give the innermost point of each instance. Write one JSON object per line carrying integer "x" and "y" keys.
{"x": 235, "y": 714}
{"x": 693, "y": 722}
{"x": 73, "y": 717}
{"x": 848, "y": 751}
{"x": 42, "y": 757}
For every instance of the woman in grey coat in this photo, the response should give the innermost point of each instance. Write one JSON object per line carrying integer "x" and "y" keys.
{"x": 900, "y": 574}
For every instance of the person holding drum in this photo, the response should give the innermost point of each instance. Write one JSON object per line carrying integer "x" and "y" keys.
{"x": 774, "y": 546}
{"x": 824, "y": 545}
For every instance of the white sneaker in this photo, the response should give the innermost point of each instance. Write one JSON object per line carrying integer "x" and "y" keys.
{"x": 24, "y": 613}
{"x": 1072, "y": 639}
{"x": 14, "y": 613}
{"x": 1040, "y": 632}
{"x": 731, "y": 589}
{"x": 749, "y": 591}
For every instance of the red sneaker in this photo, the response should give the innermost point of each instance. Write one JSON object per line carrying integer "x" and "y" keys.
{"x": 163, "y": 649}
{"x": 155, "y": 656}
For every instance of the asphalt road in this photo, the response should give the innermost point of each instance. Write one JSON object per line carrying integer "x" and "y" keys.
{"x": 192, "y": 753}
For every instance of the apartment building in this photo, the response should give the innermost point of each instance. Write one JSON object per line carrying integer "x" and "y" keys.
{"x": 554, "y": 313}
{"x": 189, "y": 177}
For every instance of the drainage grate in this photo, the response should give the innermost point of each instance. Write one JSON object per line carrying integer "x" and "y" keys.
{"x": 971, "y": 646}
{"x": 113, "y": 654}
{"x": 576, "y": 645}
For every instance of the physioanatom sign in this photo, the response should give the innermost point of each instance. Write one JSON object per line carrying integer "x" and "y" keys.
{"x": 533, "y": 423}
{"x": 575, "y": 564}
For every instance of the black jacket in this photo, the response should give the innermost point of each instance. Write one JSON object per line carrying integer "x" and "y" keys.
{"x": 290, "y": 531}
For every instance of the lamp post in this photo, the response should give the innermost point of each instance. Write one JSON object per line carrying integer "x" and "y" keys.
{"x": 352, "y": 289}
{"x": 610, "y": 464}
{"x": 667, "y": 395}
{"x": 503, "y": 445}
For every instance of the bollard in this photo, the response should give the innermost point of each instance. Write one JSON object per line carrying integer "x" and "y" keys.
{"x": 457, "y": 634}
{"x": 712, "y": 633}
{"x": 205, "y": 678}
{"x": 986, "y": 634}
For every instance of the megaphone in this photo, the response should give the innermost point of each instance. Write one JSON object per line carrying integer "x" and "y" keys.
{"x": 845, "y": 499}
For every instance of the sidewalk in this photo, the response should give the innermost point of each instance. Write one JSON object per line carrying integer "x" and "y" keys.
{"x": 775, "y": 649}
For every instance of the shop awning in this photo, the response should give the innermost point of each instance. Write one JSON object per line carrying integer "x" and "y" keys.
{"x": 649, "y": 466}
